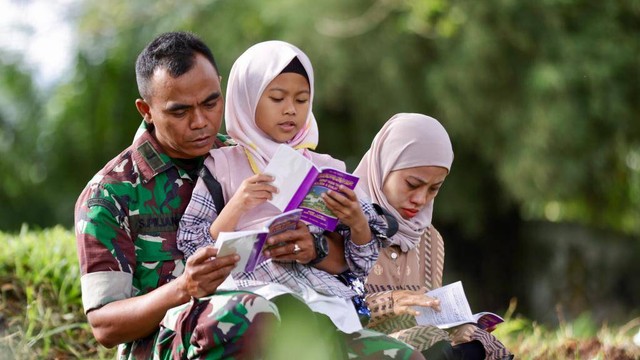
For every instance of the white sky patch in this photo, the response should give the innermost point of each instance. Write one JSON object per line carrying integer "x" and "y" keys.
{"x": 38, "y": 30}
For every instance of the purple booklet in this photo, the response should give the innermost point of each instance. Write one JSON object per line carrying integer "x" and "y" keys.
{"x": 250, "y": 243}
{"x": 300, "y": 185}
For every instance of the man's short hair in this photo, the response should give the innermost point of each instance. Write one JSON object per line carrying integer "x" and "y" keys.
{"x": 173, "y": 51}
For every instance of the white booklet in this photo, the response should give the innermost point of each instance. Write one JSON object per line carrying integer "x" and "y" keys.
{"x": 249, "y": 244}
{"x": 454, "y": 310}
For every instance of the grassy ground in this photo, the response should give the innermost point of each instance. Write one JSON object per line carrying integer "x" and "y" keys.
{"x": 41, "y": 313}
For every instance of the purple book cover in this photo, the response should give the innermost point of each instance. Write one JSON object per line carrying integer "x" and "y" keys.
{"x": 314, "y": 210}
{"x": 281, "y": 223}
{"x": 488, "y": 320}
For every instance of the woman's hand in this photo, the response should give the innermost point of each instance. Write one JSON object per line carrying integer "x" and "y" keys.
{"x": 405, "y": 300}
{"x": 292, "y": 245}
{"x": 461, "y": 334}
{"x": 345, "y": 205}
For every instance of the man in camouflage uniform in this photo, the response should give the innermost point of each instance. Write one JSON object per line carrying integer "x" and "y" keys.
{"x": 137, "y": 290}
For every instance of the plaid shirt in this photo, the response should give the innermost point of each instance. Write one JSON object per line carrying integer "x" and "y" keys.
{"x": 193, "y": 233}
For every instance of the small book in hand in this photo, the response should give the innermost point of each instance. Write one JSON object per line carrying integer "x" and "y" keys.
{"x": 249, "y": 244}
{"x": 300, "y": 185}
{"x": 455, "y": 310}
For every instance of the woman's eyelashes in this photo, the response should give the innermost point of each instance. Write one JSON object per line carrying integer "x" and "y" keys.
{"x": 432, "y": 189}
{"x": 413, "y": 185}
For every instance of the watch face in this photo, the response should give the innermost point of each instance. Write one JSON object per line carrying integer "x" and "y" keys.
{"x": 322, "y": 246}
{"x": 324, "y": 243}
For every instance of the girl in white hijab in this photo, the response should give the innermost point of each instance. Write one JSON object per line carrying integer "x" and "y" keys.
{"x": 269, "y": 103}
{"x": 403, "y": 171}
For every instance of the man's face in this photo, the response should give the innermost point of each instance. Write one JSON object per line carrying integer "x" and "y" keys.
{"x": 186, "y": 111}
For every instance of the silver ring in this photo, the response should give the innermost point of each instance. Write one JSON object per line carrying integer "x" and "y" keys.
{"x": 296, "y": 248}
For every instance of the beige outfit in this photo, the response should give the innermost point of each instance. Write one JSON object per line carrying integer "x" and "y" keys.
{"x": 421, "y": 266}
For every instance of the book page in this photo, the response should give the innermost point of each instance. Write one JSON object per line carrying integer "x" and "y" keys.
{"x": 454, "y": 307}
{"x": 290, "y": 170}
{"x": 237, "y": 242}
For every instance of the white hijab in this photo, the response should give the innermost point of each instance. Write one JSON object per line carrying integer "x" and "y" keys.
{"x": 250, "y": 75}
{"x": 405, "y": 141}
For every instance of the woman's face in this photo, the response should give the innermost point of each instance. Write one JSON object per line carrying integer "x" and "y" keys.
{"x": 409, "y": 190}
{"x": 283, "y": 107}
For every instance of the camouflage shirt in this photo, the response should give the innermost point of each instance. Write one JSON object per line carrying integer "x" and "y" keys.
{"x": 126, "y": 221}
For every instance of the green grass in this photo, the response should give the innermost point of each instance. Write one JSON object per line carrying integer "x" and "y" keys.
{"x": 41, "y": 311}
{"x": 580, "y": 339}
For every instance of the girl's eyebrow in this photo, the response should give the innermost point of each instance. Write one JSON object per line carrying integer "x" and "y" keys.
{"x": 305, "y": 91}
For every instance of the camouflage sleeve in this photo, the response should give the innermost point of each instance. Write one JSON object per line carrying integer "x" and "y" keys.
{"x": 361, "y": 258}
{"x": 193, "y": 232}
{"x": 105, "y": 250}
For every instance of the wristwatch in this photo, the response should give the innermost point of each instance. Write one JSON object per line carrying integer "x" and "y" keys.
{"x": 322, "y": 248}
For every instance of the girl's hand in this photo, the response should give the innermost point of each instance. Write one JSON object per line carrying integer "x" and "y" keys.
{"x": 346, "y": 207}
{"x": 405, "y": 300}
{"x": 253, "y": 191}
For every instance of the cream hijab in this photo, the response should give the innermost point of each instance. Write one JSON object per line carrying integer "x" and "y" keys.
{"x": 250, "y": 75}
{"x": 405, "y": 141}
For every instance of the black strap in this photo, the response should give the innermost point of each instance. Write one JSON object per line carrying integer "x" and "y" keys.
{"x": 392, "y": 222}
{"x": 214, "y": 188}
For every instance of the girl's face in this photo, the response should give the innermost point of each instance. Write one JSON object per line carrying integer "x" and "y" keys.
{"x": 409, "y": 190}
{"x": 283, "y": 107}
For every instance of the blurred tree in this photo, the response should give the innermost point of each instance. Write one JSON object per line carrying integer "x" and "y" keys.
{"x": 23, "y": 147}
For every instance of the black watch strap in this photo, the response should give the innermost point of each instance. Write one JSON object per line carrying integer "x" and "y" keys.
{"x": 322, "y": 248}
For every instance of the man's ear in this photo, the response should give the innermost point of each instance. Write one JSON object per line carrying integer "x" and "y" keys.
{"x": 144, "y": 110}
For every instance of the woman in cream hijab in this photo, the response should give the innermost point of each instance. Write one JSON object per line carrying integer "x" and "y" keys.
{"x": 403, "y": 171}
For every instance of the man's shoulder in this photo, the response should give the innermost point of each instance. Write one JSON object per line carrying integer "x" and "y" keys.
{"x": 120, "y": 169}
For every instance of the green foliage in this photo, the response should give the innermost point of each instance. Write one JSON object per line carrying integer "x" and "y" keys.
{"x": 41, "y": 311}
{"x": 540, "y": 98}
{"x": 23, "y": 146}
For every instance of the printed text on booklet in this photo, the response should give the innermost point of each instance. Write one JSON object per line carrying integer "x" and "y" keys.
{"x": 454, "y": 310}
